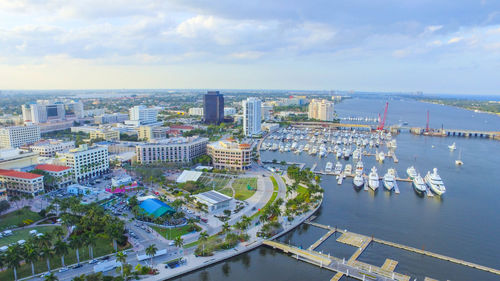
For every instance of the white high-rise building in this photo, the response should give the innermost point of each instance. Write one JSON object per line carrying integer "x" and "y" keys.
{"x": 44, "y": 111}
{"x": 251, "y": 116}
{"x": 143, "y": 115}
{"x": 321, "y": 110}
{"x": 86, "y": 162}
{"x": 16, "y": 136}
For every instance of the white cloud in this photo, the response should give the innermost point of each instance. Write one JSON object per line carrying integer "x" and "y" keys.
{"x": 455, "y": 40}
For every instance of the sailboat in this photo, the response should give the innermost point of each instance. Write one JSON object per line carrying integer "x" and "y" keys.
{"x": 452, "y": 147}
{"x": 459, "y": 162}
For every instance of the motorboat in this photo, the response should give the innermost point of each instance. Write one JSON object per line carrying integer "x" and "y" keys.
{"x": 452, "y": 147}
{"x": 389, "y": 179}
{"x": 373, "y": 179}
{"x": 412, "y": 172}
{"x": 328, "y": 167}
{"x": 338, "y": 168}
{"x": 419, "y": 184}
{"x": 435, "y": 183}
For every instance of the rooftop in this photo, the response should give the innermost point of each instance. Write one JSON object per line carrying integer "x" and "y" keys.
{"x": 52, "y": 168}
{"x": 17, "y": 174}
{"x": 229, "y": 144}
{"x": 189, "y": 176}
{"x": 212, "y": 197}
{"x": 156, "y": 207}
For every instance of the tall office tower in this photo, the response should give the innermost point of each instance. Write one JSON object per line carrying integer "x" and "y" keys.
{"x": 321, "y": 110}
{"x": 251, "y": 116}
{"x": 213, "y": 107}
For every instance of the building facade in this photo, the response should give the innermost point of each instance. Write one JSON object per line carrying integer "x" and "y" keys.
{"x": 63, "y": 175}
{"x": 230, "y": 155}
{"x": 196, "y": 111}
{"x": 16, "y": 136}
{"x": 321, "y": 110}
{"x": 16, "y": 182}
{"x": 143, "y": 115}
{"x": 86, "y": 162}
{"x": 110, "y": 118}
{"x": 252, "y": 116}
{"x": 49, "y": 148}
{"x": 105, "y": 134}
{"x": 44, "y": 111}
{"x": 172, "y": 150}
{"x": 213, "y": 107}
{"x": 149, "y": 133}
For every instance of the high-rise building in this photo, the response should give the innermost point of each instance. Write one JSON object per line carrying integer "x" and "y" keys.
{"x": 143, "y": 115}
{"x": 321, "y": 110}
{"x": 86, "y": 162}
{"x": 266, "y": 110}
{"x": 44, "y": 111}
{"x": 213, "y": 107}
{"x": 251, "y": 116}
{"x": 17, "y": 136}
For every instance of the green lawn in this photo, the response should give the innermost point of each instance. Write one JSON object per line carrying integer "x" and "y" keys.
{"x": 240, "y": 187}
{"x": 17, "y": 217}
{"x": 103, "y": 247}
{"x": 171, "y": 233}
{"x": 23, "y": 234}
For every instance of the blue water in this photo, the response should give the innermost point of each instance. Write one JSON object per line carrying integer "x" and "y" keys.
{"x": 463, "y": 223}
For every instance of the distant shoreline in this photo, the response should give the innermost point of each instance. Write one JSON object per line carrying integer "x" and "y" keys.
{"x": 461, "y": 107}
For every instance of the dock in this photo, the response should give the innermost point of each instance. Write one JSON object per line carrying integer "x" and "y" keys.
{"x": 322, "y": 239}
{"x": 389, "y": 265}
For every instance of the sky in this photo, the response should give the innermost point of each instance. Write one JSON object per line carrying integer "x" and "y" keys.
{"x": 438, "y": 46}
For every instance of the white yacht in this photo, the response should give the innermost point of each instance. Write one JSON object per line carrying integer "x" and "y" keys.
{"x": 419, "y": 184}
{"x": 338, "y": 154}
{"x": 306, "y": 148}
{"x": 412, "y": 172}
{"x": 347, "y": 153}
{"x": 381, "y": 156}
{"x": 338, "y": 168}
{"x": 373, "y": 180}
{"x": 328, "y": 167}
{"x": 435, "y": 183}
{"x": 389, "y": 179}
{"x": 348, "y": 170}
{"x": 452, "y": 147}
{"x": 359, "y": 168}
{"x": 358, "y": 180}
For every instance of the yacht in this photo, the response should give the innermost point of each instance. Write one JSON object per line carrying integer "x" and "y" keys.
{"x": 359, "y": 167}
{"x": 459, "y": 161}
{"x": 358, "y": 180}
{"x": 389, "y": 179}
{"x": 435, "y": 183}
{"x": 348, "y": 169}
{"x": 338, "y": 168}
{"x": 419, "y": 184}
{"x": 452, "y": 147}
{"x": 306, "y": 148}
{"x": 347, "y": 153}
{"x": 329, "y": 166}
{"x": 313, "y": 151}
{"x": 381, "y": 156}
{"x": 322, "y": 152}
{"x": 373, "y": 180}
{"x": 339, "y": 153}
{"x": 412, "y": 173}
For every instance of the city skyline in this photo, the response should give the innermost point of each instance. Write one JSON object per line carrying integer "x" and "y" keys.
{"x": 412, "y": 46}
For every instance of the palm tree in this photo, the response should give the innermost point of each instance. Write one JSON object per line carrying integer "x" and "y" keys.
{"x": 203, "y": 238}
{"x": 31, "y": 254}
{"x": 79, "y": 278}
{"x": 75, "y": 242}
{"x": 47, "y": 253}
{"x": 178, "y": 242}
{"x": 121, "y": 257}
{"x": 51, "y": 277}
{"x": 114, "y": 231}
{"x": 61, "y": 249}
{"x": 246, "y": 221}
{"x": 151, "y": 251}
{"x": 13, "y": 258}
{"x": 226, "y": 227}
{"x": 90, "y": 241}
{"x": 58, "y": 232}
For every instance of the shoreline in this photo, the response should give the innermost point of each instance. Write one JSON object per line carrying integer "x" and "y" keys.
{"x": 465, "y": 108}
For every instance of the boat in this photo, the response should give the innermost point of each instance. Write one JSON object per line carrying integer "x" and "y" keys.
{"x": 359, "y": 167}
{"x": 338, "y": 168}
{"x": 347, "y": 153}
{"x": 306, "y": 148}
{"x": 338, "y": 154}
{"x": 412, "y": 173}
{"x": 373, "y": 180}
{"x": 435, "y": 183}
{"x": 358, "y": 180}
{"x": 381, "y": 156}
{"x": 419, "y": 184}
{"x": 348, "y": 170}
{"x": 459, "y": 162}
{"x": 452, "y": 147}
{"x": 389, "y": 179}
{"x": 328, "y": 167}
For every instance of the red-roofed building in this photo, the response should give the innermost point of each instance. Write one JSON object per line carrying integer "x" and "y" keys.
{"x": 63, "y": 175}
{"x": 21, "y": 182}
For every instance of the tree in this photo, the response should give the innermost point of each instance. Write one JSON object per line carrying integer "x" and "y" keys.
{"x": 76, "y": 242}
{"x": 46, "y": 253}
{"x": 31, "y": 254}
{"x": 51, "y": 277}
{"x": 203, "y": 238}
{"x": 4, "y": 206}
{"x": 79, "y": 278}
{"x": 58, "y": 232}
{"x": 121, "y": 257}
{"x": 226, "y": 227}
{"x": 151, "y": 251}
{"x": 13, "y": 258}
{"x": 61, "y": 249}
{"x": 90, "y": 241}
{"x": 178, "y": 242}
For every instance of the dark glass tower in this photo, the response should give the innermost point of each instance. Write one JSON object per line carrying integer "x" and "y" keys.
{"x": 213, "y": 107}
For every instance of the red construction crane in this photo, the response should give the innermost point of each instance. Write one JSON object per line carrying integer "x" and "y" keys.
{"x": 382, "y": 122}
{"x": 427, "y": 124}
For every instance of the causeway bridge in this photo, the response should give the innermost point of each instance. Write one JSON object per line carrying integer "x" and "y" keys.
{"x": 357, "y": 269}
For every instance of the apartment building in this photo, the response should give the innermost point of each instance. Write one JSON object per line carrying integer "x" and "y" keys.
{"x": 16, "y": 182}
{"x": 49, "y": 148}
{"x": 86, "y": 162}
{"x": 17, "y": 136}
{"x": 172, "y": 150}
{"x": 230, "y": 155}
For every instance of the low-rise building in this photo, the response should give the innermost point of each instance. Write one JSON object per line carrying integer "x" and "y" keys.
{"x": 49, "y": 148}
{"x": 17, "y": 158}
{"x": 196, "y": 111}
{"x": 16, "y": 182}
{"x": 230, "y": 155}
{"x": 63, "y": 175}
{"x": 214, "y": 200}
{"x": 17, "y": 136}
{"x": 171, "y": 150}
{"x": 149, "y": 133}
{"x": 110, "y": 118}
{"x": 106, "y": 134}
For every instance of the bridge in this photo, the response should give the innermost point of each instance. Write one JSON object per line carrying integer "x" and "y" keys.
{"x": 357, "y": 269}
